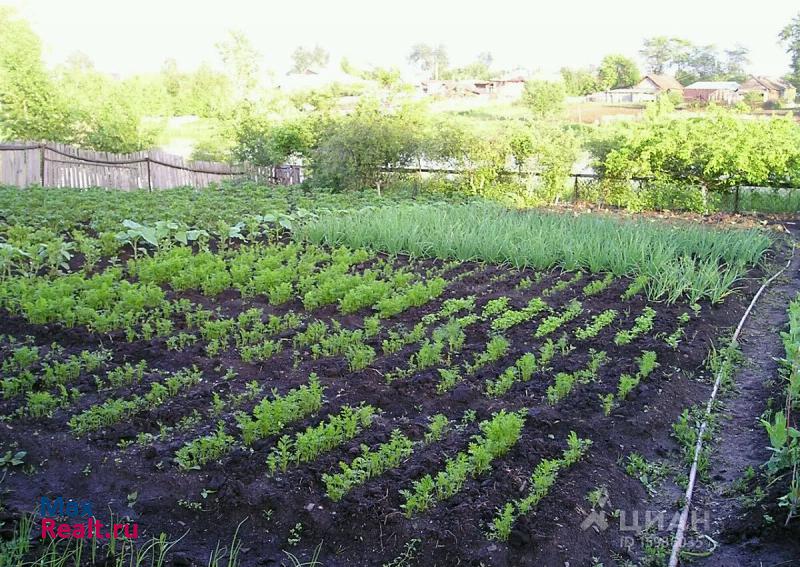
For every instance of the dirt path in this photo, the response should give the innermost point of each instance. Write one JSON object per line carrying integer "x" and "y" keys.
{"x": 739, "y": 526}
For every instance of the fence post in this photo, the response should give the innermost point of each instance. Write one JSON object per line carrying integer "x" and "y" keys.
{"x": 149, "y": 179}
{"x": 576, "y": 189}
{"x": 736, "y": 201}
{"x": 41, "y": 161}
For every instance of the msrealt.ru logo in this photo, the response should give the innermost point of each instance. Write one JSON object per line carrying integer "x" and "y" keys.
{"x": 80, "y": 522}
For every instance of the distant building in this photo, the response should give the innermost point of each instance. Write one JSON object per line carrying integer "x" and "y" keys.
{"x": 725, "y": 92}
{"x": 646, "y": 90}
{"x": 622, "y": 96}
{"x": 659, "y": 84}
{"x": 455, "y": 87}
{"x": 775, "y": 90}
{"x": 503, "y": 88}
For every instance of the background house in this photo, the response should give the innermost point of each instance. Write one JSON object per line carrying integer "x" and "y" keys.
{"x": 659, "y": 84}
{"x": 621, "y": 96}
{"x": 769, "y": 89}
{"x": 726, "y": 92}
{"x": 646, "y": 90}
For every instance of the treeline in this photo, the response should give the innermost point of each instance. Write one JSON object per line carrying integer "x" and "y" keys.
{"x": 676, "y": 161}
{"x": 76, "y": 104}
{"x": 678, "y": 57}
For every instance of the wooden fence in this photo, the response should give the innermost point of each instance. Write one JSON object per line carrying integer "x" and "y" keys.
{"x": 26, "y": 164}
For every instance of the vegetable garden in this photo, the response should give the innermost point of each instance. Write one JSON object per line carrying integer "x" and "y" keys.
{"x": 274, "y": 377}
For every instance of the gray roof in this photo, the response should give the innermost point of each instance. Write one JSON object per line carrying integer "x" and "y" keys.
{"x": 714, "y": 85}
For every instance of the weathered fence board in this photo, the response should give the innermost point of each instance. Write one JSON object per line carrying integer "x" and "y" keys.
{"x": 26, "y": 164}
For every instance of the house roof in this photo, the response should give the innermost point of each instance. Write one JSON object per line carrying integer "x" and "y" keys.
{"x": 769, "y": 83}
{"x": 663, "y": 82}
{"x": 714, "y": 86}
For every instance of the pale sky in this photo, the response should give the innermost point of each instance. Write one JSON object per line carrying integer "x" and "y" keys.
{"x": 136, "y": 36}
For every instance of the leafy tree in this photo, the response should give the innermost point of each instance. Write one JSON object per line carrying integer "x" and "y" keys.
{"x": 262, "y": 141}
{"x": 349, "y": 68}
{"x": 555, "y": 150}
{"x": 544, "y": 98}
{"x": 790, "y": 39}
{"x": 658, "y": 53}
{"x": 103, "y": 113}
{"x": 698, "y": 63}
{"x": 690, "y": 63}
{"x": 388, "y": 78}
{"x": 243, "y": 62}
{"x": 617, "y": 71}
{"x": 579, "y": 82}
{"x": 353, "y": 150}
{"x": 204, "y": 92}
{"x": 429, "y": 58}
{"x": 481, "y": 68}
{"x": 305, "y": 60}
{"x": 716, "y": 152}
{"x": 30, "y": 106}
{"x": 149, "y": 95}
{"x": 736, "y": 59}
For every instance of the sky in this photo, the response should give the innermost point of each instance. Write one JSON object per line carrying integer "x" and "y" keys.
{"x": 133, "y": 37}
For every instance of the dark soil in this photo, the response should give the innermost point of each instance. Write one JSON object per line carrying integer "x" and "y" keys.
{"x": 750, "y": 528}
{"x": 368, "y": 526}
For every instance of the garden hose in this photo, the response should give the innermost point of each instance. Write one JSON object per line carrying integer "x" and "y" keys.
{"x": 681, "y": 529}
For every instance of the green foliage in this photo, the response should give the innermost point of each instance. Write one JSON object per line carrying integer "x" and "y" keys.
{"x": 544, "y": 477}
{"x": 617, "y": 71}
{"x": 496, "y": 348}
{"x": 598, "y": 286}
{"x": 353, "y": 150}
{"x": 642, "y": 325}
{"x": 114, "y": 410}
{"x": 369, "y": 464}
{"x": 564, "y": 382}
{"x": 544, "y": 98}
{"x": 307, "y": 59}
{"x": 316, "y": 440}
{"x": 554, "y": 322}
{"x": 716, "y": 152}
{"x": 782, "y": 427}
{"x": 649, "y": 473}
{"x": 261, "y": 140}
{"x": 272, "y": 414}
{"x": 597, "y": 324}
{"x": 522, "y": 371}
{"x": 790, "y": 38}
{"x": 677, "y": 258}
{"x": 30, "y": 105}
{"x": 202, "y": 450}
{"x": 579, "y": 82}
{"x": 438, "y": 425}
{"x": 499, "y": 434}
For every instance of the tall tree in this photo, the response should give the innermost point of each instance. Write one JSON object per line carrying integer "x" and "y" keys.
{"x": 698, "y": 63}
{"x": 617, "y": 71}
{"x": 790, "y": 39}
{"x": 486, "y": 58}
{"x": 429, "y": 58}
{"x": 579, "y": 82}
{"x": 736, "y": 60}
{"x": 30, "y": 107}
{"x": 658, "y": 53}
{"x": 307, "y": 59}
{"x": 243, "y": 62}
